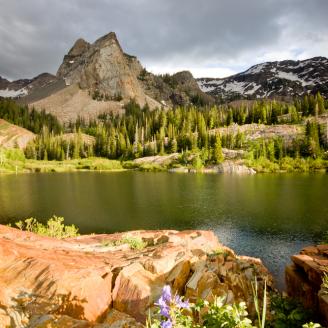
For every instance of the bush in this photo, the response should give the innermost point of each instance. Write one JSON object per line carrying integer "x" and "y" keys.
{"x": 134, "y": 242}
{"x": 151, "y": 167}
{"x": 197, "y": 163}
{"x": 99, "y": 164}
{"x": 53, "y": 228}
{"x": 11, "y": 160}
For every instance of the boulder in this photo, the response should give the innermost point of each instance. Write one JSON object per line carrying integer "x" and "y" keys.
{"x": 103, "y": 281}
{"x": 304, "y": 279}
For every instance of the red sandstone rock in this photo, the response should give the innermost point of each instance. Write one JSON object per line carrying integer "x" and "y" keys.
{"x": 75, "y": 282}
{"x": 304, "y": 279}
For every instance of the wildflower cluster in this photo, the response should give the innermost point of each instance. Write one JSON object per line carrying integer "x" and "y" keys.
{"x": 173, "y": 310}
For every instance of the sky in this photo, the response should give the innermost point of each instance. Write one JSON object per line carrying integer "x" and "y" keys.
{"x": 211, "y": 38}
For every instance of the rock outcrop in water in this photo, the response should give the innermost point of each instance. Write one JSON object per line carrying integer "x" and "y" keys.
{"x": 304, "y": 279}
{"x": 77, "y": 282}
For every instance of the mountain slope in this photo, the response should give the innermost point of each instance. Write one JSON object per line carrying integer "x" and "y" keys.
{"x": 279, "y": 80}
{"x": 23, "y": 87}
{"x": 14, "y": 136}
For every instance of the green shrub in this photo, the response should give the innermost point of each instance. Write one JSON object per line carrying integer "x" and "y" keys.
{"x": 151, "y": 167}
{"x": 324, "y": 285}
{"x": 220, "y": 314}
{"x": 98, "y": 164}
{"x": 54, "y": 227}
{"x": 287, "y": 313}
{"x": 135, "y": 243}
{"x": 262, "y": 165}
{"x": 130, "y": 165}
{"x": 14, "y": 154}
{"x": 197, "y": 163}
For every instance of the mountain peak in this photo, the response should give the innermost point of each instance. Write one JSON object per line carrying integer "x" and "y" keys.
{"x": 79, "y": 47}
{"x": 102, "y": 67}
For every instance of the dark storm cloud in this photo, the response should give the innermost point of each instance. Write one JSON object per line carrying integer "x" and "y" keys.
{"x": 203, "y": 35}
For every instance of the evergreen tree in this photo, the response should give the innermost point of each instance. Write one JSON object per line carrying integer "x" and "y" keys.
{"x": 217, "y": 150}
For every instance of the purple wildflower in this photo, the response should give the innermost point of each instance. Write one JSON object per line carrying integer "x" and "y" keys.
{"x": 166, "y": 293}
{"x": 166, "y": 324}
{"x": 167, "y": 303}
{"x": 165, "y": 311}
{"x": 180, "y": 303}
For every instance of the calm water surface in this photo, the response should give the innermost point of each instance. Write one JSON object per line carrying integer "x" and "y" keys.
{"x": 267, "y": 216}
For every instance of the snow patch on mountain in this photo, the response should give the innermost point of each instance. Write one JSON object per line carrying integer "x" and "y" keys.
{"x": 255, "y": 69}
{"x": 13, "y": 93}
{"x": 292, "y": 77}
{"x": 207, "y": 85}
{"x": 252, "y": 88}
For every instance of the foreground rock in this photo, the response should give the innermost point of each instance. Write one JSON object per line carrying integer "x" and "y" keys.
{"x": 304, "y": 279}
{"x": 89, "y": 282}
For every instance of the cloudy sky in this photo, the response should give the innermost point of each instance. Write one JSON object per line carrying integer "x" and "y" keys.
{"x": 208, "y": 37}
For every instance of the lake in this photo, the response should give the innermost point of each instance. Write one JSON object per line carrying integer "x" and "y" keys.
{"x": 266, "y": 216}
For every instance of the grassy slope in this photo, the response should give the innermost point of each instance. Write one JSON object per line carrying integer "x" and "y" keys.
{"x": 11, "y": 135}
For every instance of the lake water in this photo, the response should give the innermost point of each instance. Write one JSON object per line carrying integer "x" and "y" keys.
{"x": 266, "y": 216}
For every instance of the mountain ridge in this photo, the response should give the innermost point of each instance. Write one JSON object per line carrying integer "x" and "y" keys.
{"x": 100, "y": 77}
{"x": 274, "y": 80}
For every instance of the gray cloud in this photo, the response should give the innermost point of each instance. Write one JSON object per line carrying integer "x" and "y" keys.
{"x": 205, "y": 36}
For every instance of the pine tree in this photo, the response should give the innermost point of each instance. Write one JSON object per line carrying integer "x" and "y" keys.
{"x": 217, "y": 150}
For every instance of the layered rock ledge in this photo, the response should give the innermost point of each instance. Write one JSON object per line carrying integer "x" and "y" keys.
{"x": 89, "y": 282}
{"x": 304, "y": 279}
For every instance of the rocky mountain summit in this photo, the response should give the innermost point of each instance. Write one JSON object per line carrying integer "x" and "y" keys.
{"x": 275, "y": 80}
{"x": 103, "y": 67}
{"x": 100, "y": 77}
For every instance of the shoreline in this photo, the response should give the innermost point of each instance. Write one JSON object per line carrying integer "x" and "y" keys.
{"x": 227, "y": 167}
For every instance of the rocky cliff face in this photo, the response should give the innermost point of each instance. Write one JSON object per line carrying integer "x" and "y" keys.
{"x": 279, "y": 80}
{"x": 177, "y": 89}
{"x": 102, "y": 66}
{"x": 74, "y": 283}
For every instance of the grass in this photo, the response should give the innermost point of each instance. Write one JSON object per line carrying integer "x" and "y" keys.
{"x": 324, "y": 285}
{"x": 13, "y": 160}
{"x": 135, "y": 243}
{"x": 220, "y": 251}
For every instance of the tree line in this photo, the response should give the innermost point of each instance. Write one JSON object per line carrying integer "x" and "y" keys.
{"x": 140, "y": 132}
